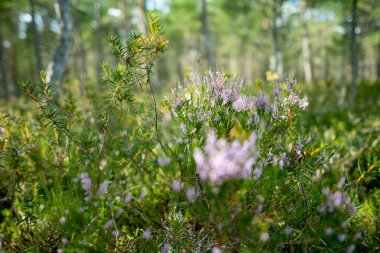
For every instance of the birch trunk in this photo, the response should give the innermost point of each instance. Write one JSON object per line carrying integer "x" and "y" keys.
{"x": 62, "y": 53}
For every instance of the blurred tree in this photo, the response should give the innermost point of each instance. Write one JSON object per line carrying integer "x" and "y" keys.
{"x": 36, "y": 36}
{"x": 306, "y": 52}
{"x": 276, "y": 60}
{"x": 141, "y": 16}
{"x": 205, "y": 36}
{"x": 57, "y": 68}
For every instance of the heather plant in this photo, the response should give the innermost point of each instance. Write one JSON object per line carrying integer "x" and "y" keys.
{"x": 223, "y": 170}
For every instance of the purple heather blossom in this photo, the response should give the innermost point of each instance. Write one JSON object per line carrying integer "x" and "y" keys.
{"x": 288, "y": 230}
{"x": 261, "y": 102}
{"x": 351, "y": 248}
{"x": 128, "y": 198}
{"x": 357, "y": 236}
{"x": 164, "y": 161}
{"x": 341, "y": 182}
{"x": 216, "y": 250}
{"x": 264, "y": 237}
{"x": 64, "y": 240}
{"x": 342, "y": 237}
{"x": 108, "y": 224}
{"x": 147, "y": 234}
{"x": 60, "y": 251}
{"x": 329, "y": 231}
{"x": 165, "y": 248}
{"x": 62, "y": 220}
{"x": 176, "y": 186}
{"x": 115, "y": 232}
{"x": 242, "y": 103}
{"x": 103, "y": 188}
{"x": 257, "y": 119}
{"x": 86, "y": 181}
{"x": 224, "y": 161}
{"x": 184, "y": 128}
{"x": 191, "y": 194}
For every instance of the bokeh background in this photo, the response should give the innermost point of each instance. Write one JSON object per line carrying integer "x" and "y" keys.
{"x": 334, "y": 43}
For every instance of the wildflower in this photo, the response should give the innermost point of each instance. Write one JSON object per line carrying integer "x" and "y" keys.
{"x": 115, "y": 232}
{"x": 108, "y": 224}
{"x": 288, "y": 230}
{"x": 64, "y": 240}
{"x": 184, "y": 128}
{"x": 128, "y": 198}
{"x": 264, "y": 237}
{"x": 342, "y": 237}
{"x": 358, "y": 235}
{"x": 329, "y": 231}
{"x": 164, "y": 161}
{"x": 60, "y": 251}
{"x": 261, "y": 102}
{"x": 225, "y": 161}
{"x": 86, "y": 181}
{"x": 242, "y": 103}
{"x": 216, "y": 250}
{"x": 351, "y": 248}
{"x": 147, "y": 234}
{"x": 191, "y": 194}
{"x": 165, "y": 248}
{"x": 341, "y": 182}
{"x": 176, "y": 186}
{"x": 62, "y": 220}
{"x": 103, "y": 188}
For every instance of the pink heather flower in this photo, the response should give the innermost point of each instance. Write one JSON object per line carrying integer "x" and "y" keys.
{"x": 103, "y": 188}
{"x": 341, "y": 182}
{"x": 147, "y": 234}
{"x": 176, "y": 186}
{"x": 184, "y": 128}
{"x": 223, "y": 161}
{"x": 108, "y": 224}
{"x": 60, "y": 251}
{"x": 128, "y": 198}
{"x": 165, "y": 248}
{"x": 191, "y": 194}
{"x": 86, "y": 181}
{"x": 329, "y": 231}
{"x": 261, "y": 102}
{"x": 242, "y": 103}
{"x": 358, "y": 235}
{"x": 216, "y": 250}
{"x": 342, "y": 237}
{"x": 288, "y": 230}
{"x": 64, "y": 240}
{"x": 62, "y": 220}
{"x": 119, "y": 212}
{"x": 67, "y": 212}
{"x": 351, "y": 248}
{"x": 164, "y": 161}
{"x": 264, "y": 237}
{"x": 115, "y": 232}
{"x": 344, "y": 224}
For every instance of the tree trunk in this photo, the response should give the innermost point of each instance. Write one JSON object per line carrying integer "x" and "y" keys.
{"x": 3, "y": 70}
{"x": 82, "y": 73}
{"x": 62, "y": 53}
{"x": 141, "y": 16}
{"x": 99, "y": 43}
{"x": 126, "y": 19}
{"x": 276, "y": 60}
{"x": 354, "y": 61}
{"x": 205, "y": 37}
{"x": 36, "y": 37}
{"x": 307, "y": 63}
